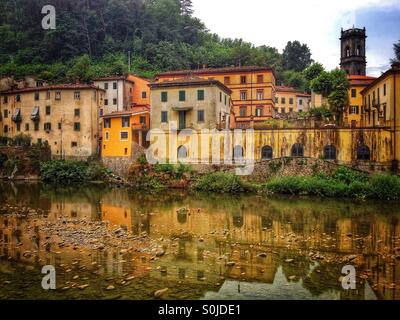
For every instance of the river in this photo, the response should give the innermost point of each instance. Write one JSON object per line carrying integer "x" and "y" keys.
{"x": 216, "y": 246}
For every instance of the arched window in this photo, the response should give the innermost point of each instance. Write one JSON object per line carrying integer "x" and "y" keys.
{"x": 238, "y": 153}
{"x": 266, "y": 153}
{"x": 329, "y": 152}
{"x": 359, "y": 50}
{"x": 182, "y": 152}
{"x": 298, "y": 150}
{"x": 363, "y": 152}
{"x": 347, "y": 51}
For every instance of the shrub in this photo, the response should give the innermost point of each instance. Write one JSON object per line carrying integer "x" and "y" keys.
{"x": 222, "y": 183}
{"x": 22, "y": 140}
{"x": 346, "y": 175}
{"x": 385, "y": 187}
{"x": 57, "y": 171}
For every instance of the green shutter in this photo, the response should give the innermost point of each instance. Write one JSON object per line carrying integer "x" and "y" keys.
{"x": 200, "y": 95}
{"x": 182, "y": 95}
{"x": 164, "y": 96}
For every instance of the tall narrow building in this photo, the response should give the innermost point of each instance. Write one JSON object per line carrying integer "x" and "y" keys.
{"x": 353, "y": 44}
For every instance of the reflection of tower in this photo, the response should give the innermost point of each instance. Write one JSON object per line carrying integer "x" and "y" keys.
{"x": 353, "y": 59}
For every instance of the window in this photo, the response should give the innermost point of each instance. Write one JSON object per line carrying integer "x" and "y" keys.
{"x": 48, "y": 93}
{"x": 5, "y": 99}
{"x": 260, "y": 94}
{"x": 200, "y": 116}
{"x": 283, "y": 100}
{"x": 106, "y": 102}
{"x": 227, "y": 80}
{"x": 164, "y": 116}
{"x": 283, "y": 110}
{"x": 243, "y": 79}
{"x": 226, "y": 99}
{"x": 301, "y": 102}
{"x": 18, "y": 126}
{"x": 114, "y": 85}
{"x": 125, "y": 151}
{"x": 107, "y": 123}
{"x": 58, "y": 95}
{"x": 77, "y": 126}
{"x": 353, "y": 93}
{"x": 384, "y": 90}
{"x": 298, "y": 150}
{"x": 107, "y": 136}
{"x": 363, "y": 153}
{"x": 164, "y": 96}
{"x": 238, "y": 153}
{"x": 74, "y": 144}
{"x": 290, "y": 110}
{"x": 182, "y": 152}
{"x": 276, "y": 100}
{"x": 144, "y": 95}
{"x": 266, "y": 153}
{"x": 260, "y": 78}
{"x": 243, "y": 111}
{"x": 329, "y": 153}
{"x": 5, "y": 113}
{"x": 114, "y": 101}
{"x": 142, "y": 120}
{"x": 220, "y": 97}
{"x": 124, "y": 135}
{"x": 101, "y": 112}
{"x": 59, "y": 126}
{"x": 200, "y": 95}
{"x": 259, "y": 112}
{"x": 48, "y": 110}
{"x": 47, "y": 126}
{"x": 36, "y": 126}
{"x": 77, "y": 95}
{"x": 353, "y": 110}
{"x": 18, "y": 97}
{"x": 126, "y": 122}
{"x": 105, "y": 86}
{"x": 77, "y": 112}
{"x": 37, "y": 96}
{"x": 5, "y": 129}
{"x": 182, "y": 95}
{"x": 26, "y": 126}
{"x": 243, "y": 95}
{"x": 291, "y": 101}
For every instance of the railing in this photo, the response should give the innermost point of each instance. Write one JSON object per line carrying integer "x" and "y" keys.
{"x": 139, "y": 126}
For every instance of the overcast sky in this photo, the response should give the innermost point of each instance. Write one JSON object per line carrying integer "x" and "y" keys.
{"x": 315, "y": 22}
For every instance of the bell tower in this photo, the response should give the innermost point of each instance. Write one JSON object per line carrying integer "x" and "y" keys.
{"x": 353, "y": 59}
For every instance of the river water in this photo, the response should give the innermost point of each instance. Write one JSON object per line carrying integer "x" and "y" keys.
{"x": 216, "y": 246}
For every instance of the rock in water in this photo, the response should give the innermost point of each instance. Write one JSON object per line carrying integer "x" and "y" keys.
{"x": 159, "y": 293}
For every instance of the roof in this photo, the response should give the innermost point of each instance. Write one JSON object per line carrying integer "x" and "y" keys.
{"x": 189, "y": 81}
{"x": 78, "y": 86}
{"x": 119, "y": 114}
{"x": 291, "y": 90}
{"x": 215, "y": 70}
{"x": 360, "y": 80}
{"x": 395, "y": 69}
{"x": 113, "y": 78}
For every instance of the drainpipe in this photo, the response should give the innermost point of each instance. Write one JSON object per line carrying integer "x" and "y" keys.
{"x": 395, "y": 163}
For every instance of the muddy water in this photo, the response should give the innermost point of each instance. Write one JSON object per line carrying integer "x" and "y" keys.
{"x": 214, "y": 247}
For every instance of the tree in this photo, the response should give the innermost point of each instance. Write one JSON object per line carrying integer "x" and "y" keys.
{"x": 294, "y": 79}
{"x": 296, "y": 56}
{"x": 186, "y": 7}
{"x": 313, "y": 71}
{"x": 334, "y": 85}
{"x": 81, "y": 70}
{"x": 396, "y": 49}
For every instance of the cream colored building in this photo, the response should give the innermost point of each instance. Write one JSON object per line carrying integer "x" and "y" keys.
{"x": 66, "y": 116}
{"x": 192, "y": 103}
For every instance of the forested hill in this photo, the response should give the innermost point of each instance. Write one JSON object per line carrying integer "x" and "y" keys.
{"x": 93, "y": 38}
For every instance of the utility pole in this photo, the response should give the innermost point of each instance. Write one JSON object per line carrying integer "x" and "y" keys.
{"x": 129, "y": 61}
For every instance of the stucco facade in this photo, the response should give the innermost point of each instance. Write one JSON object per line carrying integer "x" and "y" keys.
{"x": 66, "y": 116}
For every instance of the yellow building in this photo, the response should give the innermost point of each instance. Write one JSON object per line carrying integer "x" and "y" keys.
{"x": 122, "y": 131}
{"x": 66, "y": 116}
{"x": 352, "y": 113}
{"x": 252, "y": 88}
{"x": 288, "y": 100}
{"x": 192, "y": 103}
{"x": 381, "y": 107}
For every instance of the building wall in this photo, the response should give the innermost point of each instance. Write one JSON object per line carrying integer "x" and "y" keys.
{"x": 215, "y": 106}
{"x": 61, "y": 112}
{"x": 282, "y": 102}
{"x": 250, "y": 87}
{"x": 303, "y": 103}
{"x": 141, "y": 90}
{"x": 114, "y": 146}
{"x": 115, "y": 99}
{"x": 352, "y": 114}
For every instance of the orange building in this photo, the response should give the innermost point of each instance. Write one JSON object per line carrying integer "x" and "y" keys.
{"x": 288, "y": 100}
{"x": 252, "y": 88}
{"x": 124, "y": 130}
{"x": 352, "y": 114}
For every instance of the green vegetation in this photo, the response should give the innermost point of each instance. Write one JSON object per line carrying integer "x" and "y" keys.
{"x": 94, "y": 38}
{"x": 222, "y": 183}
{"x": 176, "y": 172}
{"x": 68, "y": 172}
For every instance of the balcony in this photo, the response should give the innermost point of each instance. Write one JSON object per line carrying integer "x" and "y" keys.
{"x": 139, "y": 127}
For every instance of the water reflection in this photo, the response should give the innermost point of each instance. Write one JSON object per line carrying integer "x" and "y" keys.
{"x": 220, "y": 247}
